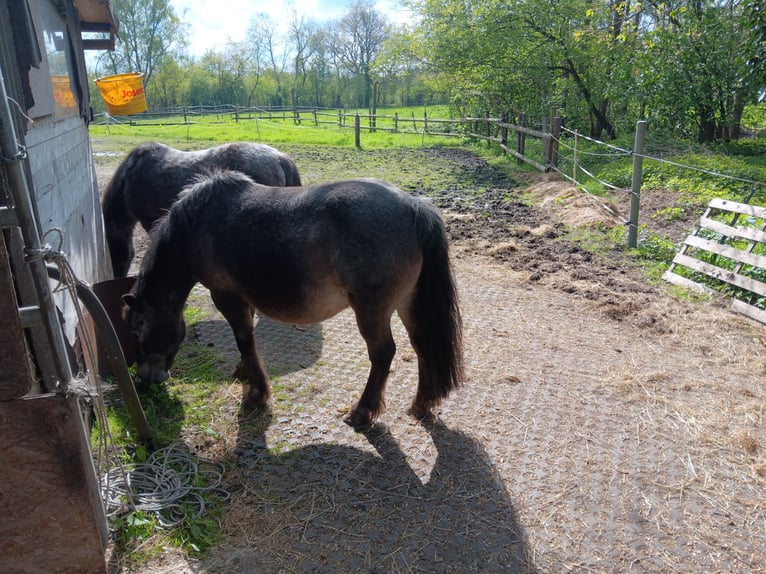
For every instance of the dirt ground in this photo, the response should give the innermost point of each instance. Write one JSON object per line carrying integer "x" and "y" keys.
{"x": 605, "y": 424}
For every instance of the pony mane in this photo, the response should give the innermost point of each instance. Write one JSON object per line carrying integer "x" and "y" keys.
{"x": 206, "y": 187}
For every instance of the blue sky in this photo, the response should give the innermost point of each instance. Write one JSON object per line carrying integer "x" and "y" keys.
{"x": 214, "y": 23}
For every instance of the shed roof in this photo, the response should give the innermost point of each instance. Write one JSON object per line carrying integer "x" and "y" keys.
{"x": 97, "y": 16}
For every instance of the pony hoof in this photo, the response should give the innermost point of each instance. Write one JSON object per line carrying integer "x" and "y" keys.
{"x": 358, "y": 420}
{"x": 255, "y": 398}
{"x": 421, "y": 413}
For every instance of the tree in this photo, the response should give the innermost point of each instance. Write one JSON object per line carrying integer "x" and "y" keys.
{"x": 688, "y": 64}
{"x": 359, "y": 36}
{"x": 227, "y": 70}
{"x": 702, "y": 65}
{"x": 301, "y": 33}
{"x": 400, "y": 65}
{"x": 150, "y": 34}
{"x": 168, "y": 85}
{"x": 269, "y": 49}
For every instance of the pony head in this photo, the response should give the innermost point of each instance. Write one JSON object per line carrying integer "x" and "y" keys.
{"x": 159, "y": 333}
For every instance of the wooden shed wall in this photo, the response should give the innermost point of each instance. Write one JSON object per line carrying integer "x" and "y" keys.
{"x": 50, "y": 508}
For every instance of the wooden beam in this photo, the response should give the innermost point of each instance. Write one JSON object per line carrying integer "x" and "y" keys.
{"x": 729, "y": 231}
{"x": 15, "y": 372}
{"x": 721, "y": 274}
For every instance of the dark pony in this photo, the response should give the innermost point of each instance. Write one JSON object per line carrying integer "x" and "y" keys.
{"x": 147, "y": 183}
{"x": 301, "y": 255}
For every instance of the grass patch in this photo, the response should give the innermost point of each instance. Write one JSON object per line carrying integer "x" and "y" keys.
{"x": 280, "y": 129}
{"x": 180, "y": 410}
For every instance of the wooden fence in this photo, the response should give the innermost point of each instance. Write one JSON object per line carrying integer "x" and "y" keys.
{"x": 491, "y": 130}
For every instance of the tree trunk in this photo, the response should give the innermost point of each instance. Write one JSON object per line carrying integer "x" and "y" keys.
{"x": 735, "y": 130}
{"x": 707, "y": 125}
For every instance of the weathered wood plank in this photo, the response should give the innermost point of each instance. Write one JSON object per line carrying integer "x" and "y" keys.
{"x": 743, "y": 208}
{"x": 729, "y": 231}
{"x": 681, "y": 281}
{"x": 741, "y": 256}
{"x": 750, "y": 310}
{"x": 727, "y": 251}
{"x": 721, "y": 274}
{"x": 49, "y": 514}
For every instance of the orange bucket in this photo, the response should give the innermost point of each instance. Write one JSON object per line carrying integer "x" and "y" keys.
{"x": 123, "y": 94}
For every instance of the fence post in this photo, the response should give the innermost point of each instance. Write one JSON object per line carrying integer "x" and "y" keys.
{"x": 357, "y": 129}
{"x": 374, "y": 106}
{"x": 504, "y": 132}
{"x": 425, "y": 122}
{"x": 574, "y": 158}
{"x": 554, "y": 142}
{"x": 521, "y": 140}
{"x": 635, "y": 190}
{"x": 396, "y": 122}
{"x": 296, "y": 113}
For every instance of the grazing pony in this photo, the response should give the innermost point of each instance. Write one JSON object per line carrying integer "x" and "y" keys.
{"x": 149, "y": 180}
{"x": 301, "y": 255}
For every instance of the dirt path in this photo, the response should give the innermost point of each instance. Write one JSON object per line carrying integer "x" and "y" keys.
{"x": 604, "y": 425}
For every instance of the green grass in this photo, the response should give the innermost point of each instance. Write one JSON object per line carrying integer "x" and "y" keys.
{"x": 182, "y": 409}
{"x": 222, "y": 128}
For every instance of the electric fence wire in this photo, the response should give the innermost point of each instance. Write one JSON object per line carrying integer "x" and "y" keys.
{"x": 657, "y": 159}
{"x": 171, "y": 483}
{"x": 601, "y": 205}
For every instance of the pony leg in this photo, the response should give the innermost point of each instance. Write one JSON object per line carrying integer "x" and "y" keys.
{"x": 425, "y": 398}
{"x": 119, "y": 239}
{"x": 380, "y": 349}
{"x": 431, "y": 388}
{"x": 239, "y": 314}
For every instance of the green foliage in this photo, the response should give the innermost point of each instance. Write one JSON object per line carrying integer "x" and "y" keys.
{"x": 701, "y": 186}
{"x": 654, "y": 247}
{"x": 686, "y": 66}
{"x": 754, "y": 117}
{"x": 131, "y": 532}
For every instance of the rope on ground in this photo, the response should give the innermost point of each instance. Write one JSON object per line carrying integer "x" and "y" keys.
{"x": 164, "y": 485}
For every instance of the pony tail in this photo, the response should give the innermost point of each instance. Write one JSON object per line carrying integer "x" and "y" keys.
{"x": 438, "y": 337}
{"x": 292, "y": 176}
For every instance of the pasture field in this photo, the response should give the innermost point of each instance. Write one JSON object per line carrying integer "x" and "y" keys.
{"x": 608, "y": 422}
{"x": 219, "y": 128}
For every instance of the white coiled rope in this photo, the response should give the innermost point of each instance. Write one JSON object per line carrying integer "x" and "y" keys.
{"x": 164, "y": 485}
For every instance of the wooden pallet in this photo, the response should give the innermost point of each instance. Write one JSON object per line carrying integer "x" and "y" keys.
{"x": 694, "y": 244}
